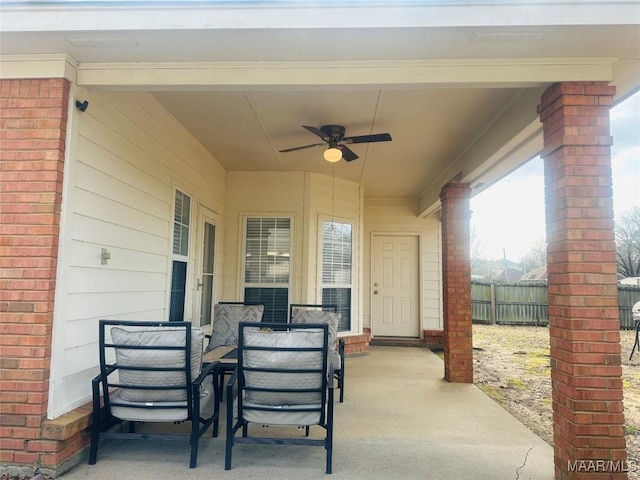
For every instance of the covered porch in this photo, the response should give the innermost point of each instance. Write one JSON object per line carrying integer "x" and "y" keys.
{"x": 400, "y": 419}
{"x": 134, "y": 136}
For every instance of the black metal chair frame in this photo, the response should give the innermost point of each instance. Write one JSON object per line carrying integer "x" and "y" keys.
{"x": 103, "y": 419}
{"x": 224, "y": 369}
{"x": 636, "y": 344}
{"x": 340, "y": 372}
{"x": 236, "y": 386}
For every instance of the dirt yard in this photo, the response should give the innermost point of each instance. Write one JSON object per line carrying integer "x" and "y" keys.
{"x": 511, "y": 365}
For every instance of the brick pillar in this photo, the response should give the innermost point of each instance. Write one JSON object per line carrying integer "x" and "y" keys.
{"x": 586, "y": 370}
{"x": 456, "y": 283}
{"x": 33, "y": 122}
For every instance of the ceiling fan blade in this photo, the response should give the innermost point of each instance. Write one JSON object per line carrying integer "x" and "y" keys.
{"x": 378, "y": 137}
{"x": 316, "y": 131}
{"x": 301, "y": 148}
{"x": 347, "y": 154}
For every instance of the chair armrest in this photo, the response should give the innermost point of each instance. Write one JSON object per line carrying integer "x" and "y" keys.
{"x": 330, "y": 372}
{"x": 95, "y": 389}
{"x": 207, "y": 370}
{"x": 230, "y": 384}
{"x": 232, "y": 380}
{"x": 95, "y": 385}
{"x": 330, "y": 390}
{"x": 109, "y": 370}
{"x": 97, "y": 380}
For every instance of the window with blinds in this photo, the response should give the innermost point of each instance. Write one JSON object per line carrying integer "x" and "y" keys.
{"x": 337, "y": 268}
{"x": 181, "y": 221}
{"x": 181, "y": 218}
{"x": 267, "y": 265}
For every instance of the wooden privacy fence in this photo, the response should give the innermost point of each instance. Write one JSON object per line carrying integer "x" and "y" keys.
{"x": 525, "y": 303}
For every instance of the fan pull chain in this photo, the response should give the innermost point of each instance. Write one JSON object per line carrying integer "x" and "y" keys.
{"x": 333, "y": 194}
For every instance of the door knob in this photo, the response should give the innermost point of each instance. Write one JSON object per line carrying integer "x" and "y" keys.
{"x": 375, "y": 292}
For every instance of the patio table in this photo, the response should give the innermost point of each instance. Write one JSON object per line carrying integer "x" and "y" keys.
{"x": 227, "y": 356}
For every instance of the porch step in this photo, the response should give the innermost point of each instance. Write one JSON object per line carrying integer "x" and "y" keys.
{"x": 397, "y": 342}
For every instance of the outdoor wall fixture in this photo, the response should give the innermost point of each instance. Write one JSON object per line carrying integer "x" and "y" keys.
{"x": 82, "y": 106}
{"x": 333, "y": 155}
{"x": 105, "y": 256}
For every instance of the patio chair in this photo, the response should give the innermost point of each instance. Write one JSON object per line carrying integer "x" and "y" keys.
{"x": 226, "y": 319}
{"x": 319, "y": 313}
{"x": 152, "y": 372}
{"x": 636, "y": 343}
{"x": 283, "y": 378}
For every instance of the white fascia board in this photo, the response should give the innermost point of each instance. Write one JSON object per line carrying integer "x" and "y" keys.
{"x": 38, "y": 66}
{"x": 24, "y": 16}
{"x": 211, "y": 75}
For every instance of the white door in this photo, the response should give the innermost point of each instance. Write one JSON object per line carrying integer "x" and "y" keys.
{"x": 395, "y": 286}
{"x": 205, "y": 274}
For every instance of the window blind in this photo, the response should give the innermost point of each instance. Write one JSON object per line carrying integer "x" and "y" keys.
{"x": 337, "y": 268}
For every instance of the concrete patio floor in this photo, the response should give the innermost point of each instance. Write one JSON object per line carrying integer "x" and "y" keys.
{"x": 400, "y": 419}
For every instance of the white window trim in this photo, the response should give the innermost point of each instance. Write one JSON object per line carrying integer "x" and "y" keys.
{"x": 354, "y": 323}
{"x": 205, "y": 214}
{"x": 243, "y": 253}
{"x": 188, "y": 259}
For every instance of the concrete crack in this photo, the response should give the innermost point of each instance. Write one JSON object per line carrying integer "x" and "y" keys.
{"x": 526, "y": 457}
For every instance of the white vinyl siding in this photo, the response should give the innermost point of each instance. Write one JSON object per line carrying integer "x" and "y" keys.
{"x": 124, "y": 156}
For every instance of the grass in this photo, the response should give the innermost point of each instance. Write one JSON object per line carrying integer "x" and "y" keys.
{"x": 493, "y": 393}
{"x": 515, "y": 382}
{"x": 537, "y": 364}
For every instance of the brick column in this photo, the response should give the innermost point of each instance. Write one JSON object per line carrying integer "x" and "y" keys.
{"x": 33, "y": 122}
{"x": 586, "y": 371}
{"x": 456, "y": 283}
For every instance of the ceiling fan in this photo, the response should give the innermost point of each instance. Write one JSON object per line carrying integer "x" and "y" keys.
{"x": 333, "y": 137}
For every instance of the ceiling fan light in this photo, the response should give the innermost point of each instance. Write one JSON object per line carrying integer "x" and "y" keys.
{"x": 333, "y": 155}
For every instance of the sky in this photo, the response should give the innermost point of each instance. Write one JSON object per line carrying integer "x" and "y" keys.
{"x": 513, "y": 226}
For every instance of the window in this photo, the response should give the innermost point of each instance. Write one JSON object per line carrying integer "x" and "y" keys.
{"x": 267, "y": 265}
{"x": 180, "y": 252}
{"x": 207, "y": 272}
{"x": 337, "y": 268}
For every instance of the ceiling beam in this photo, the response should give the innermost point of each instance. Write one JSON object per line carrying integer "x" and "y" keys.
{"x": 243, "y": 75}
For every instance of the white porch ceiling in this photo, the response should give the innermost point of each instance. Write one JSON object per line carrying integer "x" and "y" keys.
{"x": 448, "y": 80}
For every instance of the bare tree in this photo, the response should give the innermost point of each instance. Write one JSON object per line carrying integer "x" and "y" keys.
{"x": 477, "y": 248}
{"x": 536, "y": 257}
{"x": 628, "y": 242}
